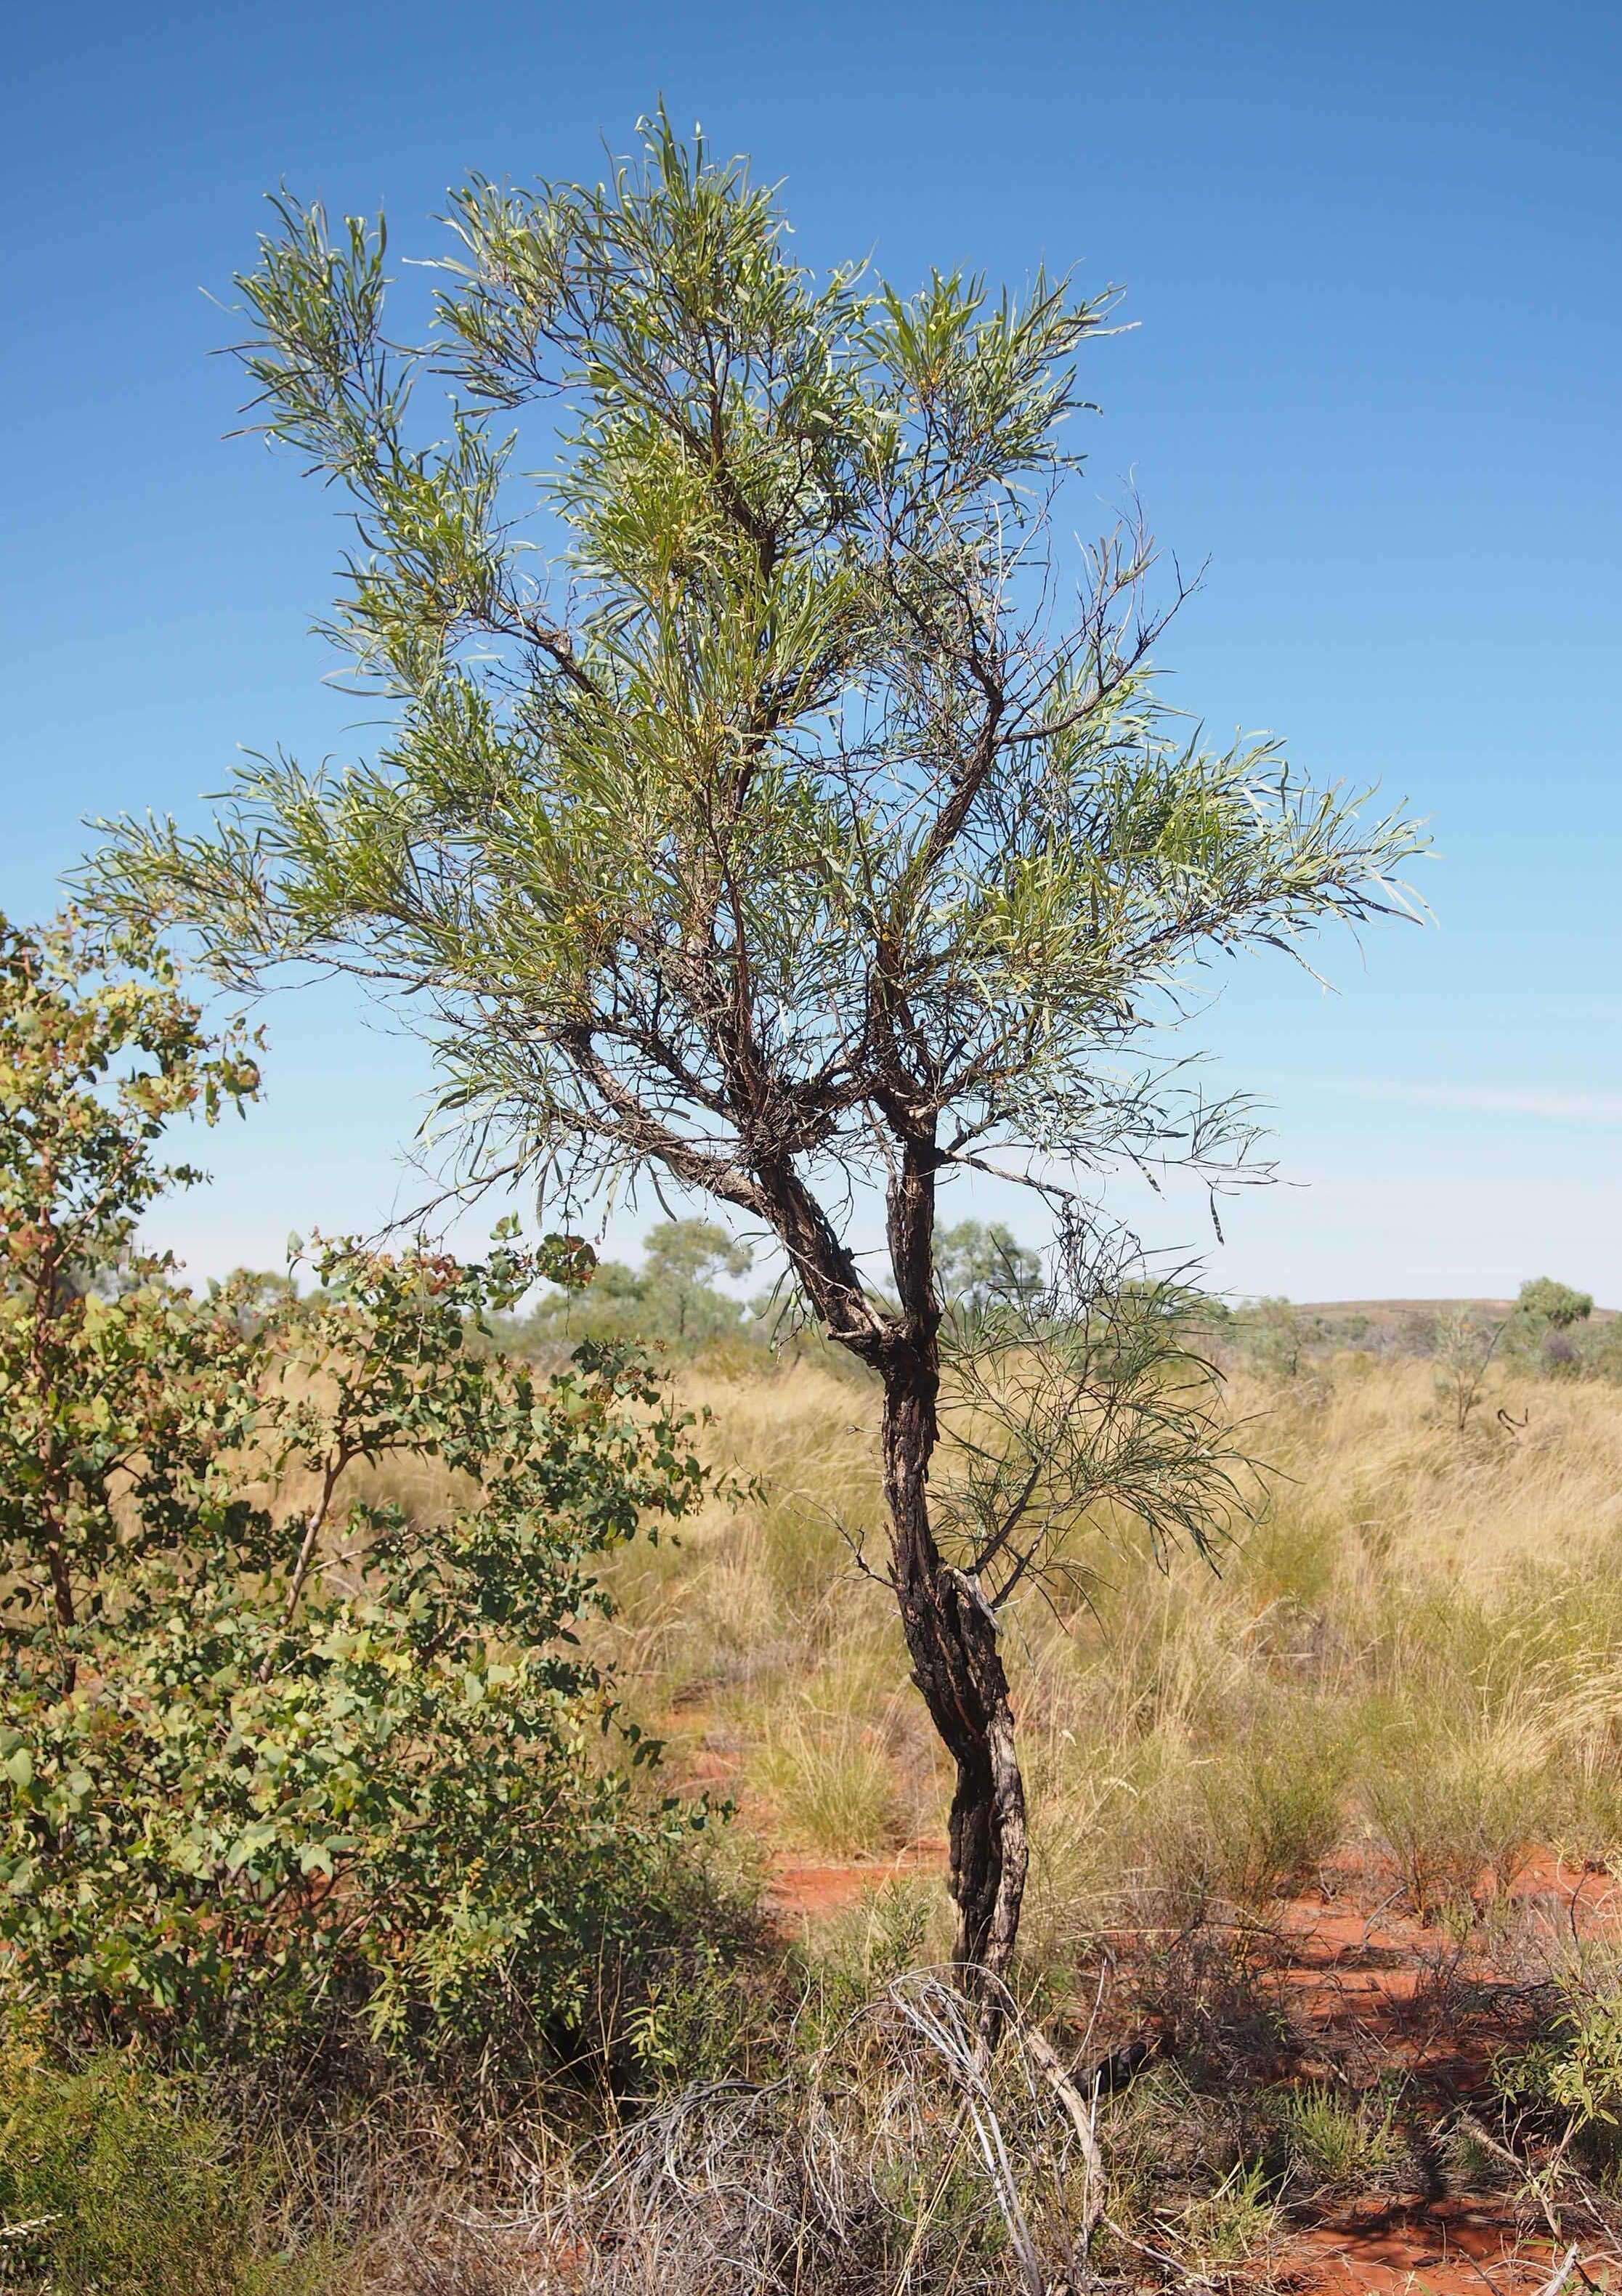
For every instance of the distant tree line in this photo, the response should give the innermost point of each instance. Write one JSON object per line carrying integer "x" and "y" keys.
{"x": 1550, "y": 1330}
{"x": 678, "y": 1299}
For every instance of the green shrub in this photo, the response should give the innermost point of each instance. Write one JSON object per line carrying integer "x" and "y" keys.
{"x": 1464, "y": 1345}
{"x": 1273, "y": 1336}
{"x": 1456, "y": 1804}
{"x": 1575, "y": 2066}
{"x": 1242, "y": 1825}
{"x": 1557, "y": 1306}
{"x": 246, "y": 1812}
{"x": 276, "y": 1763}
{"x": 1287, "y": 1810}
{"x": 889, "y": 1931}
{"x": 673, "y": 1299}
{"x": 1546, "y": 1326}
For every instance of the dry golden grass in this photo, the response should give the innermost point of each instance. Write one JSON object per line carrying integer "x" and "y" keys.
{"x": 1416, "y": 1646}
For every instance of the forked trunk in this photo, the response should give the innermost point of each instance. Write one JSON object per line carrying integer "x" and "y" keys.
{"x": 952, "y": 1639}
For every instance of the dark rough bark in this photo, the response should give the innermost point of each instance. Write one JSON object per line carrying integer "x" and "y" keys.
{"x": 952, "y": 1639}
{"x": 951, "y": 1632}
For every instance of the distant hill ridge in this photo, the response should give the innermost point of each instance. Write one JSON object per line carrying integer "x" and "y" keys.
{"x": 1395, "y": 1308}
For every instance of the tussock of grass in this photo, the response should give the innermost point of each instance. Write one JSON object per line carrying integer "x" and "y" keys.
{"x": 1339, "y": 2143}
{"x": 1228, "y": 2227}
{"x": 832, "y": 1785}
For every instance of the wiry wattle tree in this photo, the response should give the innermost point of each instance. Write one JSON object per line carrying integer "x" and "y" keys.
{"x": 758, "y": 813}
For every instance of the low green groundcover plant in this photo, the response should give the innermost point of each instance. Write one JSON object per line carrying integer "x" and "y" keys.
{"x": 278, "y": 1762}
{"x": 112, "y": 2178}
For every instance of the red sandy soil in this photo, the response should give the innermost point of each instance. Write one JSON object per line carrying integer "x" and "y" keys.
{"x": 1351, "y": 1938}
{"x": 1439, "y": 2248}
{"x": 810, "y": 1889}
{"x": 1352, "y": 1970}
{"x": 1359, "y": 1977}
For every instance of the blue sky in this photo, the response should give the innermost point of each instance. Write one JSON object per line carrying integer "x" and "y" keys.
{"x": 1374, "y": 378}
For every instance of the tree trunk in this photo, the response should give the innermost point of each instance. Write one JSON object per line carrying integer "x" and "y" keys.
{"x": 951, "y": 1632}
{"x": 952, "y": 1639}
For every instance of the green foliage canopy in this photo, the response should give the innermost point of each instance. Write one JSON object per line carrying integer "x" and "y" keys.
{"x": 1552, "y": 1306}
{"x": 978, "y": 1264}
{"x": 101, "y": 1395}
{"x": 776, "y": 816}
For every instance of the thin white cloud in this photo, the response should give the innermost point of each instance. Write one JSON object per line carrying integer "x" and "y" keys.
{"x": 1492, "y": 1099}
